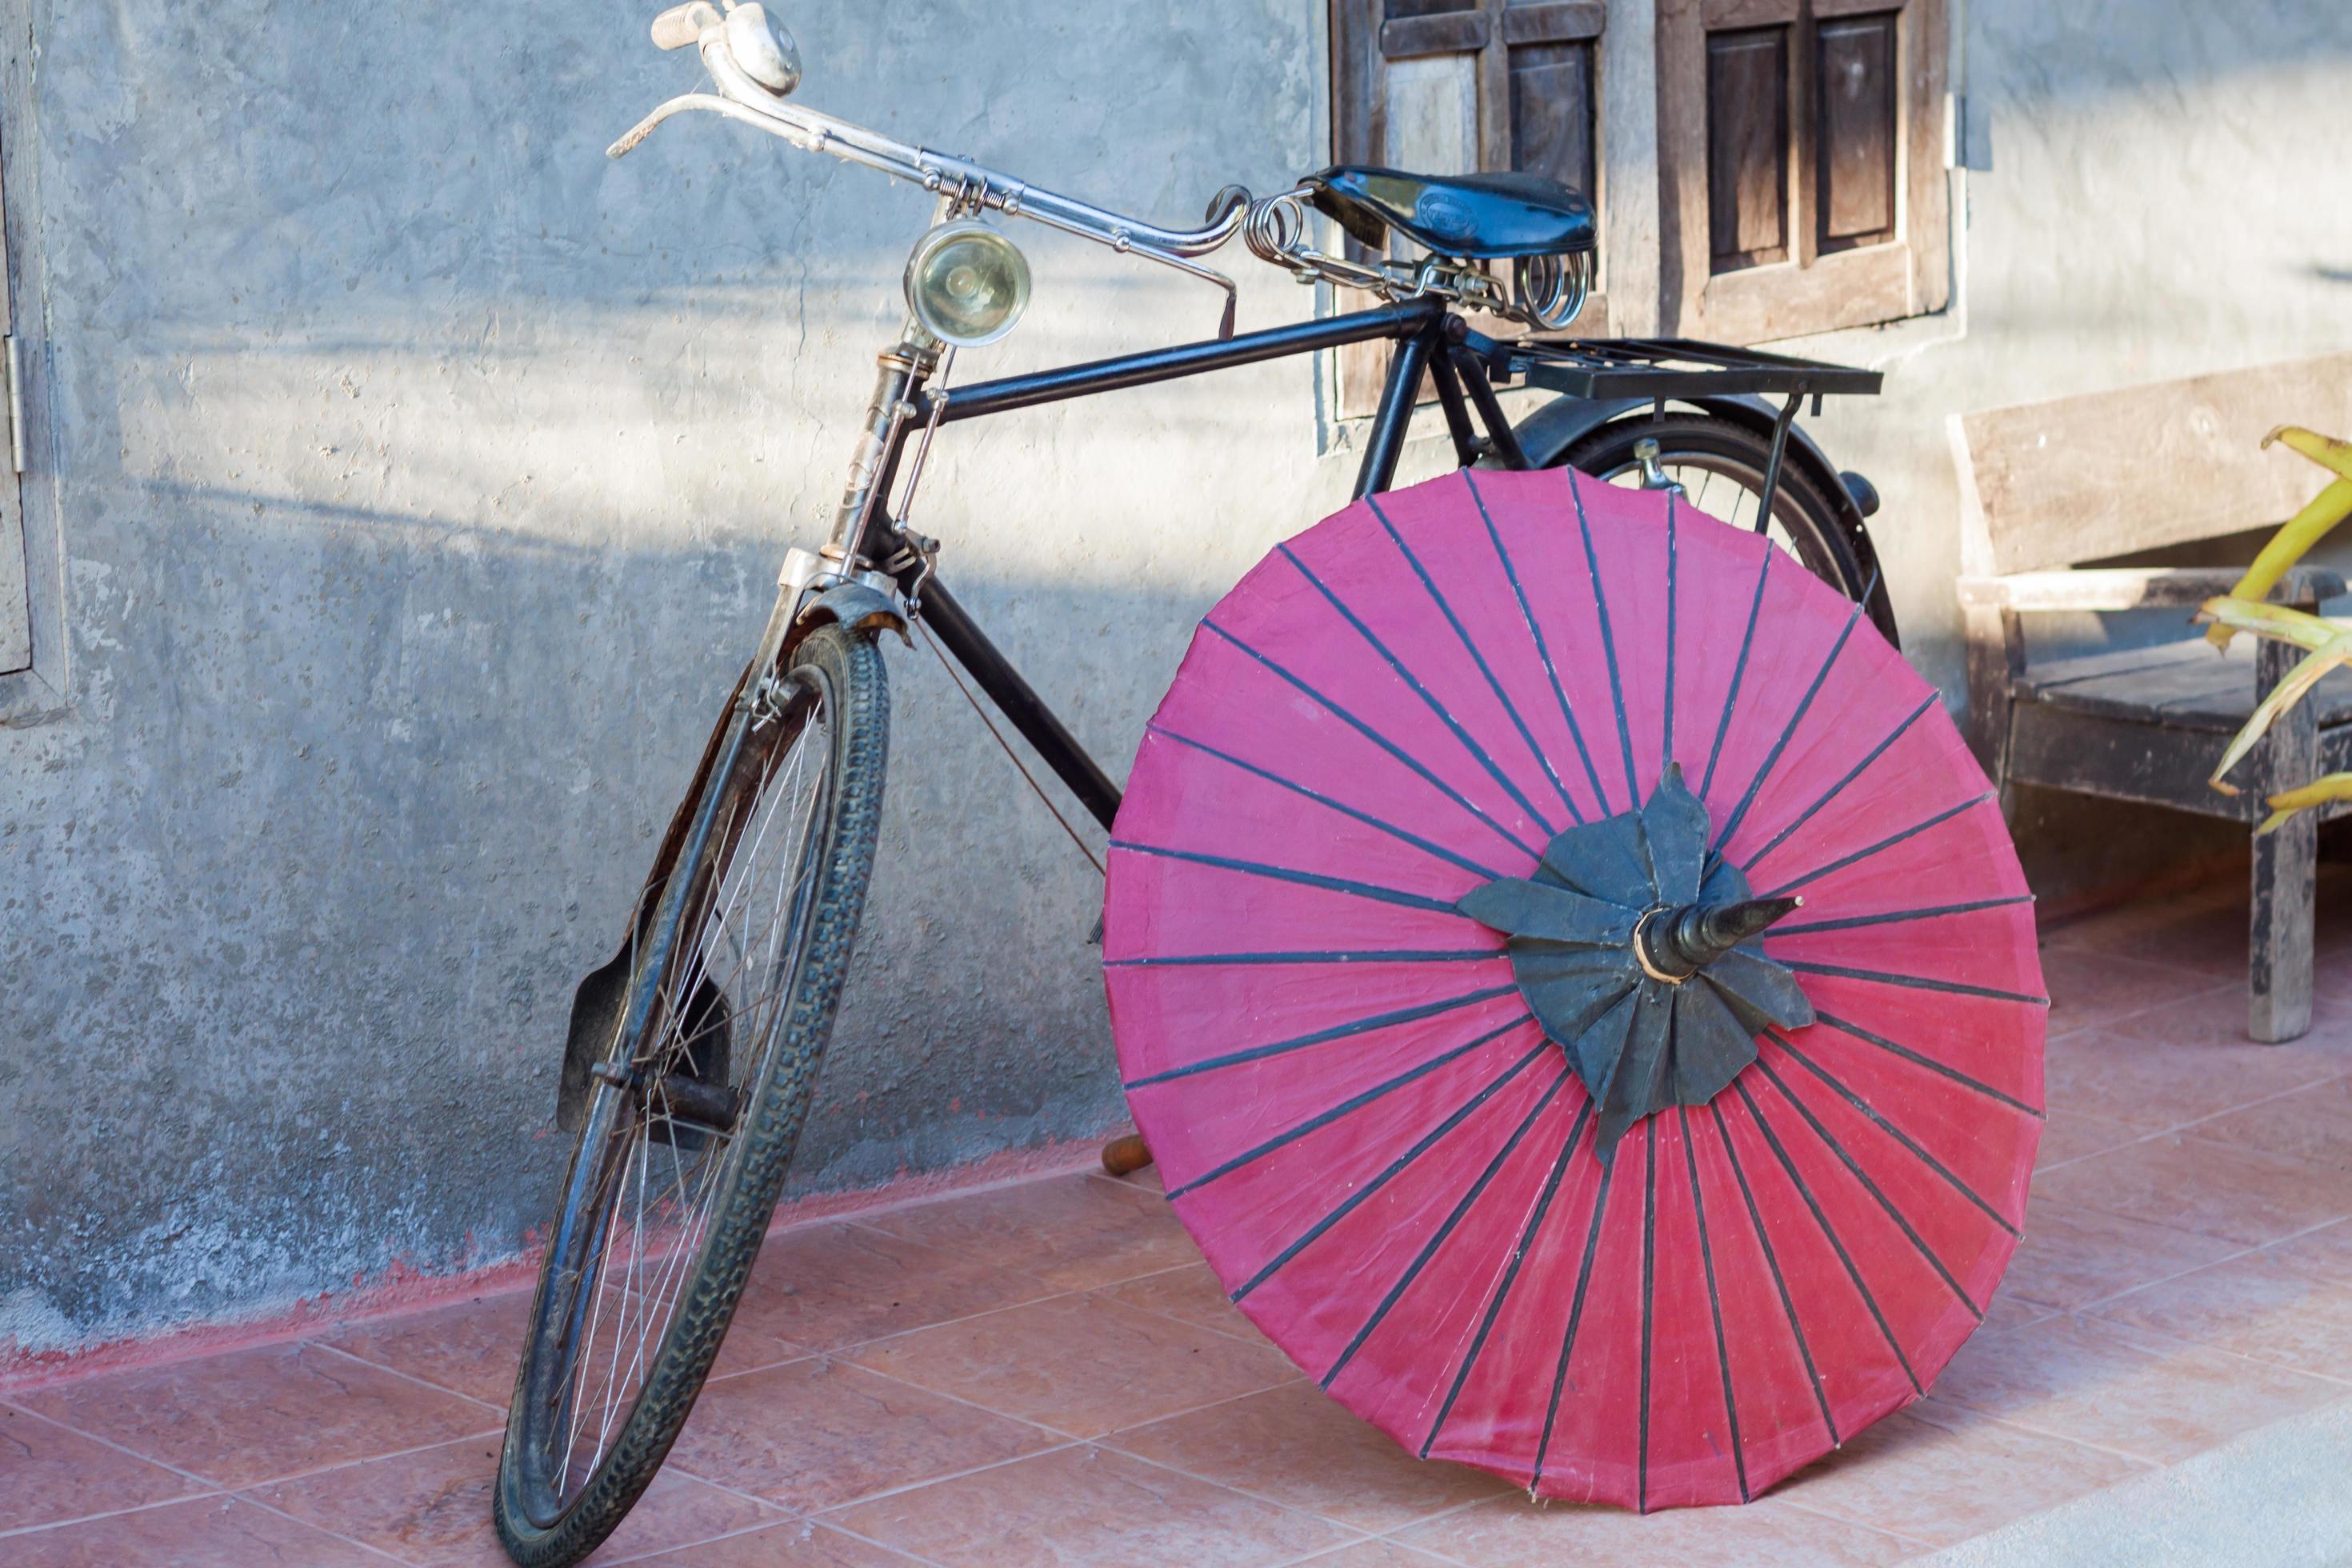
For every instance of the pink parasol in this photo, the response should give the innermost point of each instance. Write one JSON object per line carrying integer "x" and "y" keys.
{"x": 1577, "y": 988}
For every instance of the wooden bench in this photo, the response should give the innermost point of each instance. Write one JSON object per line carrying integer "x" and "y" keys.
{"x": 2046, "y": 487}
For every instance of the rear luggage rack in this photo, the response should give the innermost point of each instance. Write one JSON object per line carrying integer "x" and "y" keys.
{"x": 1661, "y": 368}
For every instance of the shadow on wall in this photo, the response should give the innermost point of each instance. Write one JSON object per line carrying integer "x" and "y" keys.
{"x": 318, "y": 975}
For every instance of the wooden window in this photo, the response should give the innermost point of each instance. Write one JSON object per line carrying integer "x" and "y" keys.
{"x": 15, "y": 581}
{"x": 1763, "y": 168}
{"x": 1458, "y": 87}
{"x": 1800, "y": 164}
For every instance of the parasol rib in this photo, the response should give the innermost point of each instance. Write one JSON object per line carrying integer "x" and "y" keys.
{"x": 1511, "y": 709}
{"x": 1371, "y": 891}
{"x": 1325, "y": 1119}
{"x": 1414, "y": 764}
{"x": 1453, "y": 1220}
{"x": 1780, "y": 1281}
{"x": 1917, "y": 1059}
{"x": 1738, "y": 673}
{"x": 1323, "y": 1037}
{"x": 1543, "y": 651}
{"x": 1361, "y": 1194}
{"x": 1713, "y": 1305}
{"x": 1361, "y": 955}
{"x": 1829, "y": 1231}
{"x": 1575, "y": 1317}
{"x": 1429, "y": 699}
{"x": 1649, "y": 1305}
{"x": 1853, "y": 1169}
{"x": 1839, "y": 788}
{"x": 1509, "y": 1277}
{"x": 1787, "y": 730}
{"x": 1366, "y": 817}
{"x": 1913, "y": 981}
{"x": 1607, "y": 638}
{"x": 1851, "y": 1098}
{"x": 1887, "y": 843}
{"x": 1896, "y": 917}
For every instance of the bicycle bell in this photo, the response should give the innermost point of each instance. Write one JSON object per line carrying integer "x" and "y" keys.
{"x": 966, "y": 284}
{"x": 765, "y": 50}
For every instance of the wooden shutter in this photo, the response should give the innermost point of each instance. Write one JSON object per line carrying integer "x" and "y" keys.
{"x": 1800, "y": 164}
{"x": 1457, "y": 87}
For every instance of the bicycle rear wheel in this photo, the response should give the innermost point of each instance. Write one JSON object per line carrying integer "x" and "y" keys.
{"x": 1721, "y": 465}
{"x": 697, "y": 1101}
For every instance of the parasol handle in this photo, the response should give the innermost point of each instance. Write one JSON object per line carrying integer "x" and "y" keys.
{"x": 1673, "y": 945}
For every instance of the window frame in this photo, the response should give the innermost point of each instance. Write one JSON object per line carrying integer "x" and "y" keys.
{"x": 1650, "y": 148}
{"x": 1811, "y": 291}
{"x": 40, "y": 690}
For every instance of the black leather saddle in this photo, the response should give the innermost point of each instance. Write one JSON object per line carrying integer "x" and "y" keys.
{"x": 1472, "y": 216}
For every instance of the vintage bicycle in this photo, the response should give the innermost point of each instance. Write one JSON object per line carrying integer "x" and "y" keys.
{"x": 694, "y": 1053}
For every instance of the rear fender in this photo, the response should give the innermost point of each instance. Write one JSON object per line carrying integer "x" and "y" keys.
{"x": 1547, "y": 435}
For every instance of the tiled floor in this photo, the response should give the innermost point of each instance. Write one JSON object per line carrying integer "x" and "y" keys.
{"x": 1045, "y": 1371}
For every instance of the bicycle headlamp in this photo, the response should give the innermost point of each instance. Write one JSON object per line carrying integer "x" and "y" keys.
{"x": 967, "y": 284}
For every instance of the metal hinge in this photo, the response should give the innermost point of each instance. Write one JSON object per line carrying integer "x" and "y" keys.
{"x": 16, "y": 405}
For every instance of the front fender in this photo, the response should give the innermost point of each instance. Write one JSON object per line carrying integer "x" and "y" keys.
{"x": 858, "y": 608}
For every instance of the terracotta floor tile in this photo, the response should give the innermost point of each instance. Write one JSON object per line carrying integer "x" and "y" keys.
{"x": 2091, "y": 988}
{"x": 47, "y": 1473}
{"x": 819, "y": 1433}
{"x": 804, "y": 1544}
{"x": 470, "y": 1348}
{"x": 1080, "y": 1365}
{"x": 2158, "y": 1084}
{"x": 254, "y": 1414}
{"x": 2073, "y": 1255}
{"x": 1940, "y": 1473}
{"x": 2008, "y": 1311}
{"x": 1374, "y": 1554}
{"x": 1075, "y": 1232}
{"x": 2256, "y": 1305}
{"x": 1295, "y": 1445}
{"x": 2313, "y": 1124}
{"x": 2217, "y": 1189}
{"x": 203, "y": 1532}
{"x": 2203, "y": 932}
{"x": 2325, "y": 1253}
{"x": 432, "y": 1508}
{"x": 2122, "y": 1389}
{"x": 1512, "y": 1532}
{"x": 1189, "y": 1294}
{"x": 1148, "y": 1179}
{"x": 834, "y": 1285}
{"x": 2217, "y": 1018}
{"x": 2072, "y": 1135}
{"x": 1088, "y": 1505}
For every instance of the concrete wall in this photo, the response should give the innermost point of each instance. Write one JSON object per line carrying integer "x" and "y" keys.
{"x": 422, "y": 475}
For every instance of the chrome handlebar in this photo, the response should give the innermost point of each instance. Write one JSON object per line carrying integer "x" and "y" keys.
{"x": 755, "y": 66}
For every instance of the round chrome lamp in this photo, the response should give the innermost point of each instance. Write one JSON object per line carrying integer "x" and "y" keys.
{"x": 967, "y": 284}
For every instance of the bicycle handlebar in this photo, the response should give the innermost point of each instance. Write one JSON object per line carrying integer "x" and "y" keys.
{"x": 742, "y": 97}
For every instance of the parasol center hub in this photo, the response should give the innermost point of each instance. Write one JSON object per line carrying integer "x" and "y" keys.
{"x": 1673, "y": 944}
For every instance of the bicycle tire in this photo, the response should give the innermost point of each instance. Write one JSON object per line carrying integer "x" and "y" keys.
{"x": 1812, "y": 529}
{"x": 541, "y": 1528}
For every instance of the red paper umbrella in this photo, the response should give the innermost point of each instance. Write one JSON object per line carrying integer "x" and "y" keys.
{"x": 1433, "y": 946}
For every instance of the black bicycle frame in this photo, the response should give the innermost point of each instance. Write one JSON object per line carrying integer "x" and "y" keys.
{"x": 1428, "y": 339}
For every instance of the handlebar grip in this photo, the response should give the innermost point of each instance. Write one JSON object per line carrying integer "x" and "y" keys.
{"x": 681, "y": 26}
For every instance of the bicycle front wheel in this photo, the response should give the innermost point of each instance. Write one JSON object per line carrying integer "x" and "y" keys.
{"x": 1721, "y": 465}
{"x": 698, "y": 1100}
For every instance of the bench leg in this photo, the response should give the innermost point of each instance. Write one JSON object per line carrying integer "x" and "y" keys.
{"x": 2278, "y": 973}
{"x": 2286, "y": 870}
